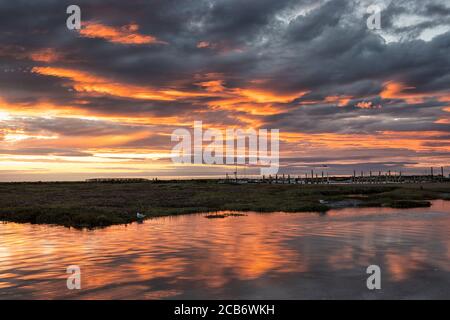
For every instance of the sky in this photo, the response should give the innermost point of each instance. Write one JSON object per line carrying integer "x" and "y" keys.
{"x": 104, "y": 100}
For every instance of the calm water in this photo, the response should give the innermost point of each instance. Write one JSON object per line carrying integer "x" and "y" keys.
{"x": 258, "y": 256}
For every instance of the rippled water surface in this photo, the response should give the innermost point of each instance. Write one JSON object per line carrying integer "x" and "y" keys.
{"x": 257, "y": 256}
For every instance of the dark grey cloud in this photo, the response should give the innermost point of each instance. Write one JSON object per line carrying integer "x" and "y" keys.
{"x": 286, "y": 47}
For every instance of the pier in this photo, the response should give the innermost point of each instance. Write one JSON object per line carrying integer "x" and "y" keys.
{"x": 321, "y": 177}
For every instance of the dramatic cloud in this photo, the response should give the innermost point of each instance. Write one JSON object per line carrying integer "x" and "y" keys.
{"x": 125, "y": 35}
{"x": 103, "y": 100}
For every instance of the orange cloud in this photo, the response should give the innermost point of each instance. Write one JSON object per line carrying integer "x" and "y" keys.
{"x": 444, "y": 97}
{"x": 249, "y": 100}
{"x": 45, "y": 55}
{"x": 48, "y": 109}
{"x": 262, "y": 96}
{"x": 253, "y": 101}
{"x": 385, "y": 139}
{"x": 100, "y": 141}
{"x": 213, "y": 85}
{"x": 124, "y": 35}
{"x": 367, "y": 105}
{"x": 341, "y": 100}
{"x": 396, "y": 90}
{"x": 24, "y": 140}
{"x": 32, "y": 109}
{"x": 246, "y": 95}
{"x": 41, "y": 55}
{"x": 90, "y": 83}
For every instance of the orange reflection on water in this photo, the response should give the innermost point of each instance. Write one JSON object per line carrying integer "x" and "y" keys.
{"x": 279, "y": 255}
{"x": 402, "y": 265}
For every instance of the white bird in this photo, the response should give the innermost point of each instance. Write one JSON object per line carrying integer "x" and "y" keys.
{"x": 140, "y": 216}
{"x": 322, "y": 201}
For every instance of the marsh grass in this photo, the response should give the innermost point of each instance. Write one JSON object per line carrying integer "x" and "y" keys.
{"x": 90, "y": 205}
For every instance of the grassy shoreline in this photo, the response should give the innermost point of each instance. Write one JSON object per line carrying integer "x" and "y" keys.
{"x": 91, "y": 205}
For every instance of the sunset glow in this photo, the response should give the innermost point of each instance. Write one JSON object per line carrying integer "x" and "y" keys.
{"x": 75, "y": 104}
